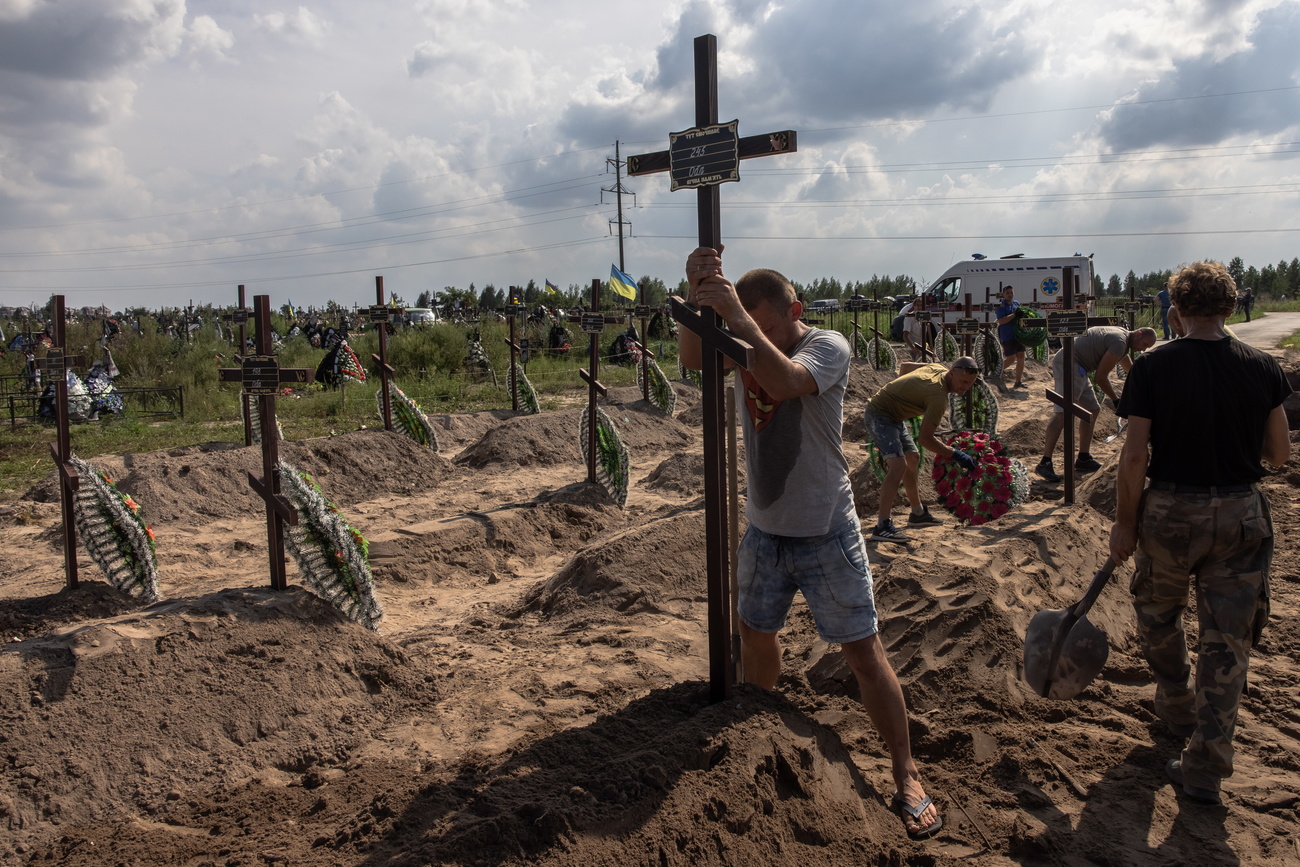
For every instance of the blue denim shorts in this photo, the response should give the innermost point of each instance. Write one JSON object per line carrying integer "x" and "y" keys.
{"x": 891, "y": 437}
{"x": 831, "y": 571}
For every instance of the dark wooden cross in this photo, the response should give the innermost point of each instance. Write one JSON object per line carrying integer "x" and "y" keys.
{"x": 704, "y": 157}
{"x": 238, "y": 318}
{"x": 262, "y": 376}
{"x": 1067, "y": 323}
{"x": 380, "y": 316}
{"x": 514, "y": 309}
{"x": 593, "y": 324}
{"x": 55, "y": 364}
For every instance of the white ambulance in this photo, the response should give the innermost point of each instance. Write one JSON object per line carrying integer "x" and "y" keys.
{"x": 1035, "y": 281}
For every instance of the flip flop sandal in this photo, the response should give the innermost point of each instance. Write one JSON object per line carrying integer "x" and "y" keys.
{"x": 899, "y": 807}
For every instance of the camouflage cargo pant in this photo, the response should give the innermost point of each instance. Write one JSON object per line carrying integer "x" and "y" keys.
{"x": 1226, "y": 543}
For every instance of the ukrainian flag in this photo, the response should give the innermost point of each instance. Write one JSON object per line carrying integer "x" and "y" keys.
{"x": 552, "y": 288}
{"x": 621, "y": 283}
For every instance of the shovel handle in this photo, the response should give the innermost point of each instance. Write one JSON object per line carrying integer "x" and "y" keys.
{"x": 1094, "y": 590}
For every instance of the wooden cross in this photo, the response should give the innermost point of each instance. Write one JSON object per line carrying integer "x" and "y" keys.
{"x": 517, "y": 347}
{"x": 704, "y": 157}
{"x": 262, "y": 376}
{"x": 594, "y": 324}
{"x": 239, "y": 317}
{"x": 56, "y": 364}
{"x": 1067, "y": 323}
{"x": 381, "y": 315}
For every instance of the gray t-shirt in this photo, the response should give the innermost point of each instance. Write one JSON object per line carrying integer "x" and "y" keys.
{"x": 797, "y": 474}
{"x": 1091, "y": 346}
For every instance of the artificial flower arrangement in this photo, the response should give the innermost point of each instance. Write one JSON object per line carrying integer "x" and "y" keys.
{"x": 118, "y": 540}
{"x": 879, "y": 351}
{"x": 522, "y": 390}
{"x": 408, "y": 418}
{"x": 988, "y": 354}
{"x": 612, "y": 461}
{"x": 661, "y": 393}
{"x": 984, "y": 409}
{"x": 946, "y": 348}
{"x": 332, "y": 556}
{"x": 996, "y": 485}
{"x": 347, "y": 367}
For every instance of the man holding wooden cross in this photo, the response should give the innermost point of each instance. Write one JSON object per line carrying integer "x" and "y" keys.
{"x": 803, "y": 530}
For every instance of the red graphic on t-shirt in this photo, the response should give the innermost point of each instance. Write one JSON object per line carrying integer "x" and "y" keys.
{"x": 760, "y": 404}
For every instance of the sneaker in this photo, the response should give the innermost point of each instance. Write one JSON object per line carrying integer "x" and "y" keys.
{"x": 1086, "y": 464}
{"x": 1021, "y": 385}
{"x": 915, "y": 520}
{"x": 887, "y": 533}
{"x": 1045, "y": 470}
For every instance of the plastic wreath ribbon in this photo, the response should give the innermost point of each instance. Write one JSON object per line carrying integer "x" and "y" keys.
{"x": 116, "y": 537}
{"x": 996, "y": 485}
{"x": 612, "y": 461}
{"x": 984, "y": 409}
{"x": 661, "y": 393}
{"x": 692, "y": 376}
{"x": 522, "y": 390}
{"x": 333, "y": 557}
{"x": 408, "y": 418}
{"x": 988, "y": 354}
{"x": 882, "y": 355}
{"x": 878, "y": 467}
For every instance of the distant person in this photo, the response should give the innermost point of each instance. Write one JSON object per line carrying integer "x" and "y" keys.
{"x": 1247, "y": 302}
{"x": 803, "y": 534}
{"x": 1013, "y": 351}
{"x": 1200, "y": 515}
{"x": 1096, "y": 351}
{"x": 920, "y": 390}
{"x": 1163, "y": 297}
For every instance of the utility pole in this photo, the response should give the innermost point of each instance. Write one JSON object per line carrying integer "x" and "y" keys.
{"x": 618, "y": 191}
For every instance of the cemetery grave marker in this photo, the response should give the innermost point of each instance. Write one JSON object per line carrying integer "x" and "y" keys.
{"x": 701, "y": 158}
{"x": 1069, "y": 323}
{"x": 261, "y": 376}
{"x": 381, "y": 315}
{"x": 55, "y": 363}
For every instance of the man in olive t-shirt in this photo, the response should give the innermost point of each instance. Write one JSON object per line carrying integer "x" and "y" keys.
{"x": 921, "y": 390}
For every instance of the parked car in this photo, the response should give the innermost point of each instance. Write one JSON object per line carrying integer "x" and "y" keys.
{"x": 420, "y": 316}
{"x": 824, "y": 305}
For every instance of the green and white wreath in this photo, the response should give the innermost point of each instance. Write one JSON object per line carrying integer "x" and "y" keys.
{"x": 988, "y": 354}
{"x": 332, "y": 556}
{"x": 984, "y": 410}
{"x": 612, "y": 463}
{"x": 692, "y": 376}
{"x": 522, "y": 391}
{"x": 408, "y": 418}
{"x": 880, "y": 353}
{"x": 116, "y": 537}
{"x": 946, "y": 347}
{"x": 661, "y": 392}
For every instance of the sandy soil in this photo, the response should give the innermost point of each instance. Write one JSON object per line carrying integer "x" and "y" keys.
{"x": 537, "y": 693}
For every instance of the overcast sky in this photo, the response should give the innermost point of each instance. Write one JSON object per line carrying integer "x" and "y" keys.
{"x": 158, "y": 151}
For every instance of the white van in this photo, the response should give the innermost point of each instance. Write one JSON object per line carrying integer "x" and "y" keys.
{"x": 1035, "y": 281}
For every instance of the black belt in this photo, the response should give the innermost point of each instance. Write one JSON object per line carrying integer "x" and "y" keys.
{"x": 1203, "y": 490}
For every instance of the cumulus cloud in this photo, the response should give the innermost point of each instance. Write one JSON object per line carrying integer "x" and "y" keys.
{"x": 1184, "y": 106}
{"x": 207, "y": 38}
{"x": 299, "y": 26}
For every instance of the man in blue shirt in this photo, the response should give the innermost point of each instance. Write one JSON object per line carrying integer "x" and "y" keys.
{"x": 1163, "y": 297}
{"x": 1012, "y": 349}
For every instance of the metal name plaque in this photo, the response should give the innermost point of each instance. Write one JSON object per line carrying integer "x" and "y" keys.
{"x": 704, "y": 156}
{"x": 1065, "y": 323}
{"x": 593, "y": 323}
{"x": 966, "y": 326}
{"x": 260, "y": 374}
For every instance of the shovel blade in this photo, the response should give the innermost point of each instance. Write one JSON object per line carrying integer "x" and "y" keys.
{"x": 1083, "y": 655}
{"x": 1040, "y": 648}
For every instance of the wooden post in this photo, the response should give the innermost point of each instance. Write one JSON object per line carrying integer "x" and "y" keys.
{"x": 379, "y": 317}
{"x": 702, "y": 158}
{"x": 594, "y": 324}
{"x": 1068, "y": 325}
{"x": 55, "y": 364}
{"x": 261, "y": 376}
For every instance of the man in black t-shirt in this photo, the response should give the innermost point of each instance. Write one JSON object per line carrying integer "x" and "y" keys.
{"x": 1209, "y": 408}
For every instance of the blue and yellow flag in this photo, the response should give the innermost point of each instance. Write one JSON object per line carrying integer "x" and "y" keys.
{"x": 621, "y": 283}
{"x": 551, "y": 287}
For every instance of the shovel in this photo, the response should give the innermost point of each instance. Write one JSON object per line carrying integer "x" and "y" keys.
{"x": 1116, "y": 434}
{"x": 1063, "y": 650}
